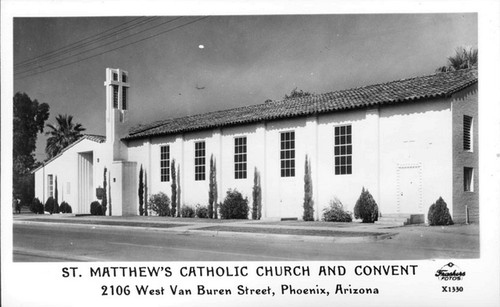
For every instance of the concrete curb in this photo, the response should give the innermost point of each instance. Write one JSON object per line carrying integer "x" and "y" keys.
{"x": 184, "y": 230}
{"x": 46, "y": 254}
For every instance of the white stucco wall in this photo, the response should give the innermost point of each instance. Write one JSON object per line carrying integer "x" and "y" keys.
{"x": 416, "y": 134}
{"x": 383, "y": 140}
{"x": 66, "y": 169}
{"x": 364, "y": 164}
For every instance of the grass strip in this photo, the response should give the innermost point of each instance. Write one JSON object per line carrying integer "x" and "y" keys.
{"x": 111, "y": 223}
{"x": 292, "y": 231}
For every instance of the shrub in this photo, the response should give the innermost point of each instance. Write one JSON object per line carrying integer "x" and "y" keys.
{"x": 335, "y": 212}
{"x": 160, "y": 204}
{"x": 49, "y": 204}
{"x": 201, "y": 212}
{"x": 187, "y": 211}
{"x": 366, "y": 208}
{"x": 439, "y": 214}
{"x": 65, "y": 208}
{"x": 234, "y": 206}
{"x": 96, "y": 208}
{"x": 41, "y": 209}
{"x": 36, "y": 206}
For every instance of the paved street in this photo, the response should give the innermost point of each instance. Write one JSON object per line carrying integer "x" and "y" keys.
{"x": 66, "y": 242}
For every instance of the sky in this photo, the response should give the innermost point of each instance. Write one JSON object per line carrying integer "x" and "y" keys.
{"x": 195, "y": 65}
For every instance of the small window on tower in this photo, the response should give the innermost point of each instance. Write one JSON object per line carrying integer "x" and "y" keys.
{"x": 115, "y": 76}
{"x": 124, "y": 98}
{"x": 124, "y": 78}
{"x": 467, "y": 133}
{"x": 115, "y": 96}
{"x": 468, "y": 179}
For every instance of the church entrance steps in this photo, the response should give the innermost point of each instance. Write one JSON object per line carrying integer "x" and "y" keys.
{"x": 400, "y": 219}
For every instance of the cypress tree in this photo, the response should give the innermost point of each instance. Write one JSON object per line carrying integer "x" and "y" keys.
{"x": 56, "y": 196}
{"x": 145, "y": 193}
{"x": 439, "y": 214}
{"x": 257, "y": 196}
{"x": 174, "y": 189}
{"x": 366, "y": 208}
{"x": 109, "y": 198}
{"x": 104, "y": 196}
{"x": 308, "y": 193}
{"x": 210, "y": 189}
{"x": 141, "y": 193}
{"x": 214, "y": 175}
{"x": 178, "y": 189}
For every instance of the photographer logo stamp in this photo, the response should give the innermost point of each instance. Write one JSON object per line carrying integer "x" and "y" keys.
{"x": 450, "y": 272}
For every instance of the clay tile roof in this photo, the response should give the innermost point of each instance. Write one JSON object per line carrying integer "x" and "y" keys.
{"x": 95, "y": 138}
{"x": 401, "y": 91}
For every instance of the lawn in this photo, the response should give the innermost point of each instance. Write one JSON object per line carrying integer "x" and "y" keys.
{"x": 292, "y": 231}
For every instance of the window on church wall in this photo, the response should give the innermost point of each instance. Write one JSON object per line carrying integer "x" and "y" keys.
{"x": 115, "y": 76}
{"x": 50, "y": 185}
{"x": 115, "y": 96}
{"x": 287, "y": 154}
{"x": 467, "y": 122}
{"x": 124, "y": 78}
{"x": 199, "y": 161}
{"x": 240, "y": 158}
{"x": 165, "y": 163}
{"x": 124, "y": 98}
{"x": 343, "y": 150}
{"x": 468, "y": 179}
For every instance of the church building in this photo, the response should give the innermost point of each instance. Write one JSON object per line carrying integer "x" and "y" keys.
{"x": 408, "y": 142}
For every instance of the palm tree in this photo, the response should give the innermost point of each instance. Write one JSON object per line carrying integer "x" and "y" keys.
{"x": 62, "y": 134}
{"x": 462, "y": 59}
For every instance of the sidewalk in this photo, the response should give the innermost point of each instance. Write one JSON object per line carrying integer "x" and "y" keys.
{"x": 354, "y": 232}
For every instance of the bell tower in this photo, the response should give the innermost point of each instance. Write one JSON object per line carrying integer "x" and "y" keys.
{"x": 117, "y": 104}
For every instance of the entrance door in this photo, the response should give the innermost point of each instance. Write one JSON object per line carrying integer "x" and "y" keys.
{"x": 85, "y": 181}
{"x": 410, "y": 189}
{"x": 290, "y": 200}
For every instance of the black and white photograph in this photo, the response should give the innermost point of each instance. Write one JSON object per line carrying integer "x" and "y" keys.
{"x": 276, "y": 157}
